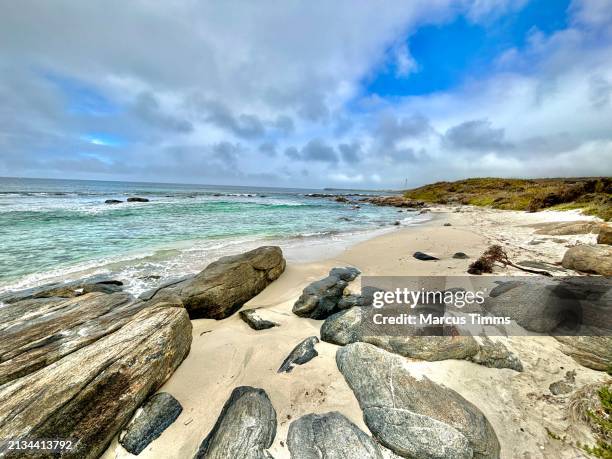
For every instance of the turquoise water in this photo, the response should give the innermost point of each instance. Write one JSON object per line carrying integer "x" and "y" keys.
{"x": 53, "y": 228}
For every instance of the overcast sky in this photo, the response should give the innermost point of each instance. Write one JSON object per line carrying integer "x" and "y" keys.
{"x": 305, "y": 93}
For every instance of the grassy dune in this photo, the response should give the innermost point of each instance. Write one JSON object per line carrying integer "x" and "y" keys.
{"x": 591, "y": 194}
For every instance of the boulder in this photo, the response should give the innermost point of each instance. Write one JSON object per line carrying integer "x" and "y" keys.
{"x": 150, "y": 421}
{"x": 495, "y": 355}
{"x": 35, "y": 333}
{"x": 565, "y": 228}
{"x": 605, "y": 235}
{"x": 460, "y": 256}
{"x": 252, "y": 319}
{"x": 594, "y": 259}
{"x": 226, "y": 284}
{"x": 423, "y": 256}
{"x": 590, "y": 351}
{"x": 245, "y": 429}
{"x": 302, "y": 353}
{"x": 113, "y": 201}
{"x": 68, "y": 289}
{"x": 414, "y": 417}
{"x": 351, "y": 326}
{"x": 137, "y": 199}
{"x": 329, "y": 435}
{"x": 321, "y": 299}
{"x": 91, "y": 393}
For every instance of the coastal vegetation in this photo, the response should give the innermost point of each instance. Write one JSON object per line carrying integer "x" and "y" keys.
{"x": 593, "y": 195}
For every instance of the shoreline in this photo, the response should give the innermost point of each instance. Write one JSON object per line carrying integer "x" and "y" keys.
{"x": 227, "y": 353}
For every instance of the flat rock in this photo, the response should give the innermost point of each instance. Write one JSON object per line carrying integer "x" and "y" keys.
{"x": 331, "y": 436}
{"x": 70, "y": 289}
{"x": 423, "y": 256}
{"x": 226, "y": 284}
{"x": 155, "y": 416}
{"x": 322, "y": 298}
{"x": 594, "y": 259}
{"x": 565, "y": 228}
{"x": 590, "y": 351}
{"x": 90, "y": 394}
{"x": 37, "y": 332}
{"x": 414, "y": 417}
{"x": 605, "y": 235}
{"x": 302, "y": 353}
{"x": 351, "y": 326}
{"x": 245, "y": 429}
{"x": 137, "y": 199}
{"x": 252, "y": 319}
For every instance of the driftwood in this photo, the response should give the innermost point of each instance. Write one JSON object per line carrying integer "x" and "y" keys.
{"x": 496, "y": 254}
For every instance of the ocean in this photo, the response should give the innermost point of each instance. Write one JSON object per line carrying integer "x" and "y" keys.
{"x": 62, "y": 229}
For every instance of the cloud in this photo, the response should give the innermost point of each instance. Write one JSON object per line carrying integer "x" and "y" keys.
{"x": 475, "y": 135}
{"x": 317, "y": 150}
{"x": 351, "y": 153}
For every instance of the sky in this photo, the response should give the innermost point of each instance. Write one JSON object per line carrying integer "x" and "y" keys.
{"x": 348, "y": 94}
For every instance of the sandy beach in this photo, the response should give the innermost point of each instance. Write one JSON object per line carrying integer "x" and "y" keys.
{"x": 226, "y": 354}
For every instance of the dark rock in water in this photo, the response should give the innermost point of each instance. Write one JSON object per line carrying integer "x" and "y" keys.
{"x": 91, "y": 393}
{"x": 590, "y": 351}
{"x": 460, "y": 256}
{"x": 414, "y": 417}
{"x": 245, "y": 428}
{"x": 329, "y": 435}
{"x": 321, "y": 299}
{"x": 397, "y": 223}
{"x": 423, "y": 256}
{"x": 137, "y": 199}
{"x": 113, "y": 201}
{"x": 341, "y": 199}
{"x": 496, "y": 355}
{"x": 72, "y": 289}
{"x": 447, "y": 224}
{"x": 226, "y": 284}
{"x": 347, "y": 274}
{"x": 155, "y": 416}
{"x": 252, "y": 319}
{"x": 302, "y": 353}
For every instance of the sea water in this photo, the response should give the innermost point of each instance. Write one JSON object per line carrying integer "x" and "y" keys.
{"x": 62, "y": 229}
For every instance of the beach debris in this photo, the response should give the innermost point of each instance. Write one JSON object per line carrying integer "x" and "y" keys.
{"x": 245, "y": 428}
{"x": 329, "y": 435}
{"x": 137, "y": 199}
{"x": 496, "y": 254}
{"x": 414, "y": 417}
{"x": 302, "y": 353}
{"x": 322, "y": 298}
{"x": 424, "y": 257}
{"x": 593, "y": 259}
{"x": 155, "y": 416}
{"x": 252, "y": 319}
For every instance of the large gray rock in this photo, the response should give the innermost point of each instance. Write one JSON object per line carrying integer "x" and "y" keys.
{"x": 329, "y": 436}
{"x": 69, "y": 289}
{"x": 37, "y": 332}
{"x": 90, "y": 394}
{"x": 495, "y": 355}
{"x": 226, "y": 284}
{"x": 245, "y": 429}
{"x": 594, "y": 259}
{"x": 351, "y": 326}
{"x": 302, "y": 353}
{"x": 590, "y": 351}
{"x": 150, "y": 421}
{"x": 322, "y": 298}
{"x": 414, "y": 417}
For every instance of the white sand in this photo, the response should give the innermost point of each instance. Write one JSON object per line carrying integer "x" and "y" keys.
{"x": 226, "y": 354}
